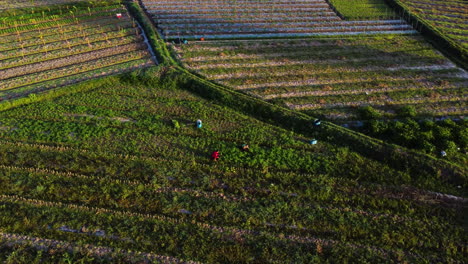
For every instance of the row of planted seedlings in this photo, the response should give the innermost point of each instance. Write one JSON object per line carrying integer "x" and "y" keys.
{"x": 320, "y": 73}
{"x": 37, "y": 6}
{"x": 104, "y": 45}
{"x": 275, "y": 19}
{"x": 443, "y": 15}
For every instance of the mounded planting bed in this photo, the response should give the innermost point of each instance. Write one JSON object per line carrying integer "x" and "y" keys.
{"x": 66, "y": 44}
{"x": 253, "y": 19}
{"x": 332, "y": 78}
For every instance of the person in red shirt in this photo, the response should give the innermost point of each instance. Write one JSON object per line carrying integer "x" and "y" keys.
{"x": 215, "y": 155}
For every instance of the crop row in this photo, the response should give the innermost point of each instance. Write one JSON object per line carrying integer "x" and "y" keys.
{"x": 73, "y": 59}
{"x": 247, "y": 29}
{"x": 114, "y": 228}
{"x": 446, "y": 19}
{"x": 142, "y": 201}
{"x": 6, "y": 4}
{"x": 59, "y": 246}
{"x": 38, "y": 57}
{"x": 292, "y": 24}
{"x": 59, "y": 34}
{"x": 34, "y": 18}
{"x": 230, "y": 16}
{"x": 101, "y": 24}
{"x": 70, "y": 69}
{"x": 326, "y": 72}
{"x": 46, "y": 25}
{"x": 434, "y": 110}
{"x": 74, "y": 78}
{"x": 255, "y": 19}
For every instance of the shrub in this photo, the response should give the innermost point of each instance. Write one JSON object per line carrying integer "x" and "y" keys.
{"x": 369, "y": 113}
{"x": 407, "y": 111}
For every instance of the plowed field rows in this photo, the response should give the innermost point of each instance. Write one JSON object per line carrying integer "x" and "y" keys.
{"x": 47, "y": 51}
{"x": 448, "y": 18}
{"x": 333, "y": 78}
{"x": 252, "y": 19}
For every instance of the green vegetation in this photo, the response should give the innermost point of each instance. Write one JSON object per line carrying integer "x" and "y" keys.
{"x": 115, "y": 170}
{"x": 428, "y": 136}
{"x": 363, "y": 9}
{"x": 112, "y": 158}
{"x": 7, "y": 5}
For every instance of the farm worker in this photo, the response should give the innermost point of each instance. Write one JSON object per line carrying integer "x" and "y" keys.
{"x": 244, "y": 147}
{"x": 202, "y": 39}
{"x": 185, "y": 41}
{"x": 317, "y": 122}
{"x": 199, "y": 123}
{"x": 215, "y": 155}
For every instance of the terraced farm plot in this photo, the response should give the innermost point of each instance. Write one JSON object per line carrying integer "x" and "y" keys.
{"x": 332, "y": 78}
{"x": 124, "y": 171}
{"x": 448, "y": 18}
{"x": 252, "y": 19}
{"x": 9, "y": 4}
{"x": 39, "y": 52}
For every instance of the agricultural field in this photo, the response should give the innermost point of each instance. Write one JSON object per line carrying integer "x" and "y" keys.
{"x": 447, "y": 18}
{"x": 121, "y": 173}
{"x": 230, "y": 19}
{"x": 41, "y": 49}
{"x": 9, "y": 4}
{"x": 363, "y": 9}
{"x": 333, "y": 78}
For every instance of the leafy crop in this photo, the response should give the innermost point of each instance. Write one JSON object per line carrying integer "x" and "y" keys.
{"x": 112, "y": 158}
